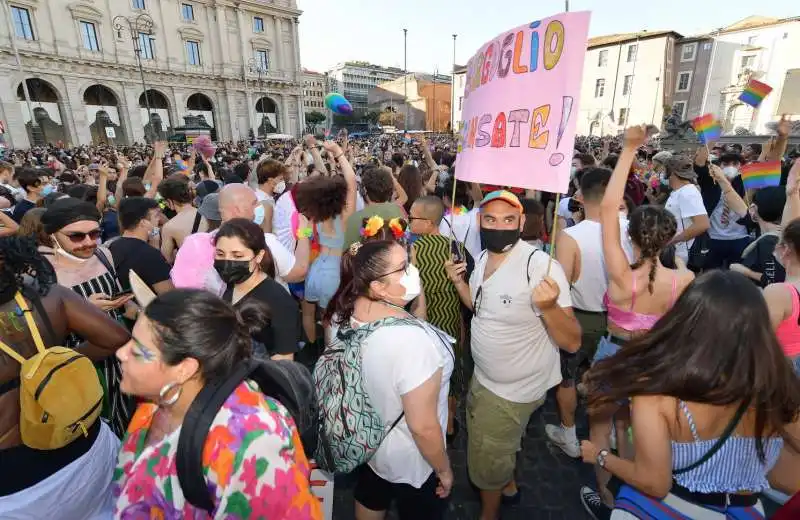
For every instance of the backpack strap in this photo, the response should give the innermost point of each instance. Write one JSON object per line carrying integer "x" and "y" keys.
{"x": 104, "y": 260}
{"x": 734, "y": 422}
{"x": 34, "y": 297}
{"x": 192, "y": 439}
{"x": 196, "y": 225}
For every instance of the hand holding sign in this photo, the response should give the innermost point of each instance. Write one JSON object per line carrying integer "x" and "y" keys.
{"x": 635, "y": 137}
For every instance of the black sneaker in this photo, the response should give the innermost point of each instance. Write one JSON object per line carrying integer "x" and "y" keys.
{"x": 594, "y": 505}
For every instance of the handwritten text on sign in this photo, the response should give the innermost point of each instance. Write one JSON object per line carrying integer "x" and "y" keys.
{"x": 520, "y": 94}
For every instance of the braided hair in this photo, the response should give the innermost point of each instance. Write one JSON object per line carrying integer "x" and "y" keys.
{"x": 19, "y": 258}
{"x": 651, "y": 228}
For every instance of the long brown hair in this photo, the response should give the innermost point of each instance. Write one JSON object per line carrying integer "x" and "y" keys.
{"x": 715, "y": 346}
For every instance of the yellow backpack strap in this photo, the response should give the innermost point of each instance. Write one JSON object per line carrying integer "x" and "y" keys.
{"x": 12, "y": 353}
{"x": 37, "y": 338}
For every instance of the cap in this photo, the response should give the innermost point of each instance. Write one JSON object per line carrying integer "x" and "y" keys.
{"x": 681, "y": 166}
{"x": 209, "y": 209}
{"x": 205, "y": 188}
{"x": 505, "y": 196}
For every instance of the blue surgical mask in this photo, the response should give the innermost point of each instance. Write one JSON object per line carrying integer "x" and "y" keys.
{"x": 147, "y": 186}
{"x": 111, "y": 199}
{"x": 47, "y": 190}
{"x": 259, "y": 215}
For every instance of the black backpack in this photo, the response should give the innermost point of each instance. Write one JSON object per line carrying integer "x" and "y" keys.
{"x": 286, "y": 381}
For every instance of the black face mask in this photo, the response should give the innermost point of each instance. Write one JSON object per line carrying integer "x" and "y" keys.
{"x": 499, "y": 240}
{"x": 233, "y": 272}
{"x": 169, "y": 213}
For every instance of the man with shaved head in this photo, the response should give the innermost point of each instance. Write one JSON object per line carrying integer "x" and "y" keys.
{"x": 194, "y": 264}
{"x": 429, "y": 253}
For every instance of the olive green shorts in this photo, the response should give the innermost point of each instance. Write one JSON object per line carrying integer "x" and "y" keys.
{"x": 495, "y": 428}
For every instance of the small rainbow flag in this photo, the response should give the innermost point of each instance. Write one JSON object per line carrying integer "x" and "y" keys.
{"x": 761, "y": 175}
{"x": 707, "y": 128}
{"x": 754, "y": 93}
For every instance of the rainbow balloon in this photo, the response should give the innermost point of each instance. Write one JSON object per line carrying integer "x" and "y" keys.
{"x": 337, "y": 104}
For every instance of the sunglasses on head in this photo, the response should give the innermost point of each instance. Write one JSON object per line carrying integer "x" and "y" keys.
{"x": 79, "y": 236}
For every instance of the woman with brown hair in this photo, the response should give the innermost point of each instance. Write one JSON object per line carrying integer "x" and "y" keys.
{"x": 715, "y": 407}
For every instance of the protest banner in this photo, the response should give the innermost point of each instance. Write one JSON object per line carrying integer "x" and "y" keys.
{"x": 520, "y": 105}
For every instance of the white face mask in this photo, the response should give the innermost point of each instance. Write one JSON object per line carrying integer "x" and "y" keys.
{"x": 730, "y": 171}
{"x": 63, "y": 252}
{"x": 411, "y": 283}
{"x": 259, "y": 215}
{"x": 712, "y": 158}
{"x": 279, "y": 188}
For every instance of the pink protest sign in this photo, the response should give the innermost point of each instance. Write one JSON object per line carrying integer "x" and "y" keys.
{"x": 520, "y": 105}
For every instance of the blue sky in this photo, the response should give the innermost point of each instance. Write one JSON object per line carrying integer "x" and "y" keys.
{"x": 372, "y": 30}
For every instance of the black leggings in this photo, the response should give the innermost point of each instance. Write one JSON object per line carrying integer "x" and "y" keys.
{"x": 24, "y": 467}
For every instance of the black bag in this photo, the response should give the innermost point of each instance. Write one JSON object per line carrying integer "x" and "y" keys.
{"x": 286, "y": 381}
{"x": 698, "y": 253}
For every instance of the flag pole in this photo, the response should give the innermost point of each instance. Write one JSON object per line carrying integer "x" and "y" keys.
{"x": 553, "y": 234}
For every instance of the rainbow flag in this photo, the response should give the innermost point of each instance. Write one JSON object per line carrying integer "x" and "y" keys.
{"x": 761, "y": 175}
{"x": 707, "y": 128}
{"x": 754, "y": 93}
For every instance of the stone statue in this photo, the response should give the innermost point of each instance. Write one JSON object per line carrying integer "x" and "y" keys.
{"x": 266, "y": 126}
{"x": 155, "y": 130}
{"x": 52, "y": 132}
{"x": 675, "y": 127}
{"x": 98, "y": 129}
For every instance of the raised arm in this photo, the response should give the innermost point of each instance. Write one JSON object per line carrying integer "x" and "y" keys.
{"x": 349, "y": 176}
{"x": 779, "y": 148}
{"x": 732, "y": 199}
{"x": 616, "y": 262}
{"x": 155, "y": 170}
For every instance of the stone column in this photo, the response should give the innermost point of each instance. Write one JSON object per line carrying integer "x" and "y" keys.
{"x": 135, "y": 129}
{"x": 278, "y": 45}
{"x": 284, "y": 114}
{"x": 73, "y": 114}
{"x": 243, "y": 47}
{"x": 301, "y": 120}
{"x": 11, "y": 112}
{"x": 296, "y": 45}
{"x": 253, "y": 116}
{"x": 233, "y": 116}
{"x": 222, "y": 34}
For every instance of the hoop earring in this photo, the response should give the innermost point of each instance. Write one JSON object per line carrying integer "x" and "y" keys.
{"x": 166, "y": 389}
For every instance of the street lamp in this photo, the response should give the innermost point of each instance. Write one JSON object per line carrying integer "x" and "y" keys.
{"x": 141, "y": 24}
{"x": 453, "y": 89}
{"x": 259, "y": 67}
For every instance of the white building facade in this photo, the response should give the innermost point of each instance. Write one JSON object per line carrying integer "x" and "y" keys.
{"x": 235, "y": 63}
{"x": 623, "y": 81}
{"x": 354, "y": 80}
{"x": 459, "y": 82}
{"x": 765, "y": 49}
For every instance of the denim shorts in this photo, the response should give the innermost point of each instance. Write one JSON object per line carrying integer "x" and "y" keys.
{"x": 796, "y": 362}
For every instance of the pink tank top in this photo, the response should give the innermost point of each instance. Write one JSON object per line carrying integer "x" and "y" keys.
{"x": 788, "y": 330}
{"x": 627, "y": 319}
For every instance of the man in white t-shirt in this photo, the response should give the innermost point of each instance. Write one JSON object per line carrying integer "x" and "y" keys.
{"x": 194, "y": 263}
{"x": 521, "y": 317}
{"x": 685, "y": 203}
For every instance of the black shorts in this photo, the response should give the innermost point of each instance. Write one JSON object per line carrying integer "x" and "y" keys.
{"x": 377, "y": 494}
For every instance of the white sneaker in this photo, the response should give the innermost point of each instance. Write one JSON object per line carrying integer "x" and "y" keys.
{"x": 556, "y": 435}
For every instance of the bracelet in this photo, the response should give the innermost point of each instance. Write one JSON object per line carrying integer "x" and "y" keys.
{"x": 338, "y": 156}
{"x": 306, "y": 232}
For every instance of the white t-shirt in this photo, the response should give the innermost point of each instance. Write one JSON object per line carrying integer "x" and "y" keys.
{"x": 563, "y": 208}
{"x": 513, "y": 353}
{"x": 396, "y": 360}
{"x": 466, "y": 230}
{"x": 282, "y": 221}
{"x": 723, "y": 223}
{"x": 685, "y": 203}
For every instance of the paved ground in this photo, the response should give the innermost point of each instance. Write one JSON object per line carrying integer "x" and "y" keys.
{"x": 549, "y": 480}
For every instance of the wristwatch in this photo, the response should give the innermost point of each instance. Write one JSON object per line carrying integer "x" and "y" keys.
{"x": 601, "y": 458}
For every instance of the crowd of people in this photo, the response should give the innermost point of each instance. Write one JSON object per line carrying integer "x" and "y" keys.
{"x": 658, "y": 296}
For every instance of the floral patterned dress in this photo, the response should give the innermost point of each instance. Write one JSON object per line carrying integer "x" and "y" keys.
{"x": 254, "y": 461}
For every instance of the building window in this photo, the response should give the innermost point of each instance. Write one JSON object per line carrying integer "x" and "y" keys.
{"x": 193, "y": 52}
{"x": 623, "y": 115}
{"x": 684, "y": 82}
{"x": 748, "y": 62}
{"x": 262, "y": 59}
{"x": 688, "y": 51}
{"x": 258, "y": 24}
{"x": 22, "y": 22}
{"x": 602, "y": 58}
{"x": 146, "y": 49}
{"x": 89, "y": 35}
{"x": 707, "y": 46}
{"x": 627, "y": 85}
{"x": 187, "y": 12}
{"x": 680, "y": 107}
{"x": 599, "y": 88}
{"x": 752, "y": 40}
{"x": 632, "y": 52}
{"x": 138, "y": 4}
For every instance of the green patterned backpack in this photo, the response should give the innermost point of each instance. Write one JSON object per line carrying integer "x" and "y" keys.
{"x": 350, "y": 429}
